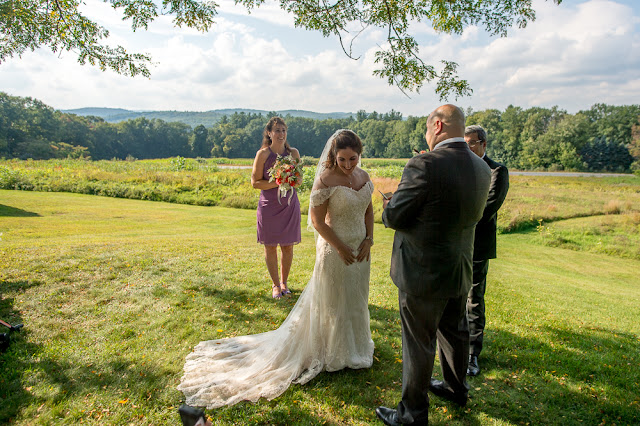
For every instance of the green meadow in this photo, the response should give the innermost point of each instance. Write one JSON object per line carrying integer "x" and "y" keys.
{"x": 116, "y": 288}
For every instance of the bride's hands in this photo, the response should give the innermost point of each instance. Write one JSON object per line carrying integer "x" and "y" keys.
{"x": 364, "y": 251}
{"x": 346, "y": 254}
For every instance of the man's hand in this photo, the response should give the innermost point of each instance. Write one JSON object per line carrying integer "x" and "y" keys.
{"x": 386, "y": 198}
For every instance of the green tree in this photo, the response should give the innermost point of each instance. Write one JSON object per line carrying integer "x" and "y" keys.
{"x": 214, "y": 139}
{"x": 507, "y": 144}
{"x": 76, "y": 130}
{"x": 26, "y": 122}
{"x": 302, "y": 133}
{"x": 374, "y": 137}
{"x": 392, "y": 115}
{"x": 252, "y": 136}
{"x": 230, "y": 143}
{"x": 169, "y": 139}
{"x": 399, "y": 136}
{"x": 417, "y": 139}
{"x": 135, "y": 136}
{"x": 614, "y": 122}
{"x": 60, "y": 25}
{"x": 605, "y": 155}
{"x": 490, "y": 120}
{"x": 198, "y": 142}
{"x": 634, "y": 146}
{"x": 65, "y": 150}
{"x": 106, "y": 142}
{"x": 538, "y": 120}
{"x": 34, "y": 148}
{"x": 559, "y": 146}
{"x": 143, "y": 138}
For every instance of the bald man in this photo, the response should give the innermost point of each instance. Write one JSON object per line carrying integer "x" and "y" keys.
{"x": 439, "y": 200}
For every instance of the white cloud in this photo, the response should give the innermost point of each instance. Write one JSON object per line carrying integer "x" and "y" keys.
{"x": 574, "y": 55}
{"x": 269, "y": 12}
{"x": 560, "y": 59}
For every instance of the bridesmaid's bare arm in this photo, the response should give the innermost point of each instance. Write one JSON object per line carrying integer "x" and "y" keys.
{"x": 257, "y": 172}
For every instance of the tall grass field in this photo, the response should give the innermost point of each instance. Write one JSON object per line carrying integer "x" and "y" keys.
{"x": 115, "y": 291}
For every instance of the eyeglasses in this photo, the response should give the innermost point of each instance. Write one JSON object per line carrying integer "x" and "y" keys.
{"x": 474, "y": 143}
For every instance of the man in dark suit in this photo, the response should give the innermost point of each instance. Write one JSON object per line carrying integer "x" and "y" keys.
{"x": 484, "y": 245}
{"x": 439, "y": 200}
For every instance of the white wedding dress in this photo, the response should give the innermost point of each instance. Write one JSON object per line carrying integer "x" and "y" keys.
{"x": 327, "y": 329}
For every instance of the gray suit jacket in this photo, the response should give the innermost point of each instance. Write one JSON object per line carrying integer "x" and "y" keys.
{"x": 440, "y": 199}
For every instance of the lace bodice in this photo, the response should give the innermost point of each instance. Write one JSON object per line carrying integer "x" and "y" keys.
{"x": 345, "y": 211}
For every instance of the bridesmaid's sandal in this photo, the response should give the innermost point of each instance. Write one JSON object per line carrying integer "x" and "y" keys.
{"x": 284, "y": 289}
{"x": 275, "y": 291}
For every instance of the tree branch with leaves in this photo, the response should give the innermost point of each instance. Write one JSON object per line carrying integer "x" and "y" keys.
{"x": 60, "y": 25}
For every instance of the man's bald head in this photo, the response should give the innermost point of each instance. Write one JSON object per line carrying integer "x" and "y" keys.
{"x": 446, "y": 121}
{"x": 452, "y": 117}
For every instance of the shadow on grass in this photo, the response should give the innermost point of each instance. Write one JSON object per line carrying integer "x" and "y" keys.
{"x": 585, "y": 376}
{"x": 550, "y": 375}
{"x": 66, "y": 380}
{"x": 26, "y": 365}
{"x": 21, "y": 285}
{"x": 349, "y": 390}
{"x": 9, "y": 211}
{"x": 12, "y": 361}
{"x": 250, "y": 305}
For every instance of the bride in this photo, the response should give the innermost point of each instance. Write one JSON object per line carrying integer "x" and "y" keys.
{"x": 328, "y": 328}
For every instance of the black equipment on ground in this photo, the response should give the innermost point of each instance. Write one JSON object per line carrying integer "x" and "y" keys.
{"x": 5, "y": 338}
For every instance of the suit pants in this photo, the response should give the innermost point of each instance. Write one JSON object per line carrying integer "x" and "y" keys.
{"x": 475, "y": 306}
{"x": 425, "y": 322}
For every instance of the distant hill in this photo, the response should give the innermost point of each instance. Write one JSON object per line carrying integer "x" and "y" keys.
{"x": 195, "y": 118}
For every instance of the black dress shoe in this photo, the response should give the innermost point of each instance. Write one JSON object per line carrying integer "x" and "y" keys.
{"x": 473, "y": 368}
{"x": 438, "y": 388}
{"x": 388, "y": 416}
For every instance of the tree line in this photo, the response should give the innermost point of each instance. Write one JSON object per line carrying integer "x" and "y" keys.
{"x": 603, "y": 138}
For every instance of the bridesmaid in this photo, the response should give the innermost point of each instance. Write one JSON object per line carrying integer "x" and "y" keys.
{"x": 278, "y": 220}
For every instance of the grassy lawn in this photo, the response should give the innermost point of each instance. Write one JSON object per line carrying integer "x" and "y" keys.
{"x": 114, "y": 293}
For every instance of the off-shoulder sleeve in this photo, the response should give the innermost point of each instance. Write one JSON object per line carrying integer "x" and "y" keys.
{"x": 319, "y": 196}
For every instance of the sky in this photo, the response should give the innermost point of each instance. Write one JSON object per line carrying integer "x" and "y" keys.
{"x": 574, "y": 55}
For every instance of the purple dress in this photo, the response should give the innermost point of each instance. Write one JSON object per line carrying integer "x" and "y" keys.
{"x": 278, "y": 220}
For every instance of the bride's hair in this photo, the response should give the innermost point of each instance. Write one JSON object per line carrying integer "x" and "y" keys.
{"x": 266, "y": 140}
{"x": 343, "y": 140}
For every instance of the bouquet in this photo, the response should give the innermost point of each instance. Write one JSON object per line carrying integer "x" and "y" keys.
{"x": 286, "y": 172}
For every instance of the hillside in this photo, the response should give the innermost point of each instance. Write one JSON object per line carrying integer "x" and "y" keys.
{"x": 195, "y": 118}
